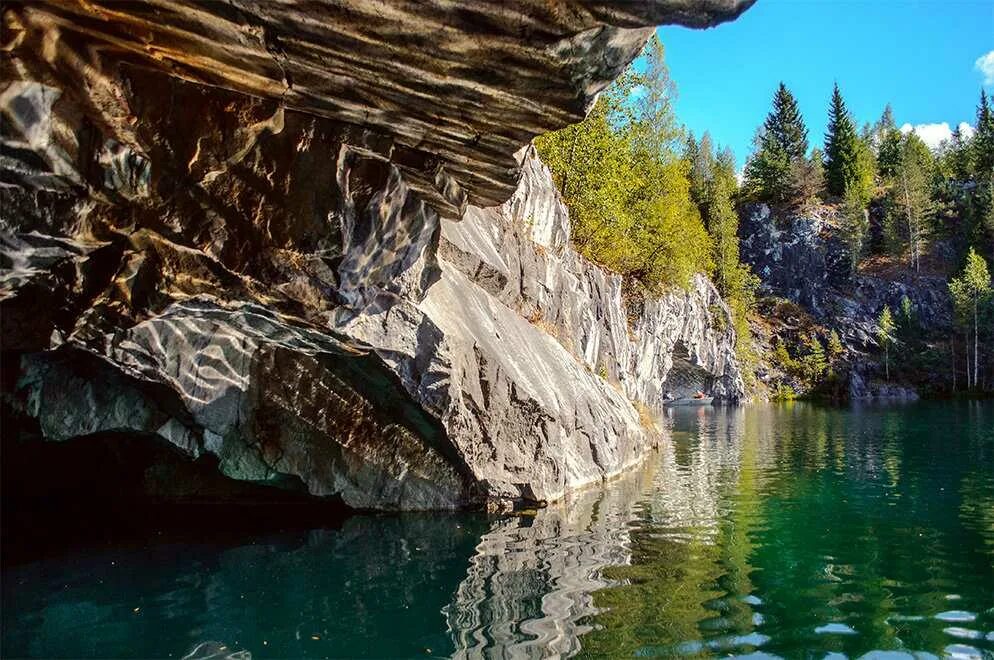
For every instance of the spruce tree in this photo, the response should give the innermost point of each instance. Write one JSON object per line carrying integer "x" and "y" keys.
{"x": 887, "y": 139}
{"x": 848, "y": 160}
{"x": 782, "y": 141}
{"x": 785, "y": 126}
{"x": 983, "y": 140}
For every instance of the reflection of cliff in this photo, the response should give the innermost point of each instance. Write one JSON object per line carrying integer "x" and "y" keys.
{"x": 692, "y": 478}
{"x": 528, "y": 590}
{"x": 372, "y": 588}
{"x": 687, "y": 588}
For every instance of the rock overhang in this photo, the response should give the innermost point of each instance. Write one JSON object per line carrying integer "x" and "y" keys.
{"x": 448, "y": 92}
{"x": 155, "y": 176}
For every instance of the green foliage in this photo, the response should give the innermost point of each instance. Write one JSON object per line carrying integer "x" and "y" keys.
{"x": 783, "y": 392}
{"x": 628, "y": 191}
{"x": 783, "y": 358}
{"x": 887, "y": 139}
{"x": 855, "y": 225}
{"x": 712, "y": 187}
{"x": 910, "y": 201}
{"x": 785, "y": 126}
{"x": 781, "y": 142}
{"x": 885, "y": 336}
{"x": 971, "y": 292}
{"x": 814, "y": 365}
{"x": 848, "y": 159}
{"x": 964, "y": 184}
{"x": 983, "y": 140}
{"x": 742, "y": 302}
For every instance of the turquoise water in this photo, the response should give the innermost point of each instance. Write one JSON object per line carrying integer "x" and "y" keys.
{"x": 784, "y": 530}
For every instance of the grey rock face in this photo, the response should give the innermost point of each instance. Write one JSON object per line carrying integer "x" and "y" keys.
{"x": 282, "y": 290}
{"x": 679, "y": 342}
{"x": 861, "y": 387}
{"x": 529, "y": 355}
{"x": 803, "y": 259}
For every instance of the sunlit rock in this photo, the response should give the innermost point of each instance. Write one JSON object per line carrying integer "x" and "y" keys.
{"x": 235, "y": 227}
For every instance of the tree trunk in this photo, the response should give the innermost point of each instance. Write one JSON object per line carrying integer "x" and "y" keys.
{"x": 966, "y": 346}
{"x": 976, "y": 344}
{"x": 912, "y": 238}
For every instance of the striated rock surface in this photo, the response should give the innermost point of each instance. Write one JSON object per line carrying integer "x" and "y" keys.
{"x": 233, "y": 228}
{"x": 535, "y": 354}
{"x": 805, "y": 261}
{"x": 448, "y": 91}
{"x": 519, "y": 252}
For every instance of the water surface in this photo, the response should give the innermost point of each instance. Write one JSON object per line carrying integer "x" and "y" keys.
{"x": 786, "y": 530}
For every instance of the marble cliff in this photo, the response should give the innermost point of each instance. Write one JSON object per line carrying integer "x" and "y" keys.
{"x": 310, "y": 239}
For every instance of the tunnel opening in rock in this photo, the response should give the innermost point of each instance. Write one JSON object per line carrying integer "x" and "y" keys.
{"x": 686, "y": 377}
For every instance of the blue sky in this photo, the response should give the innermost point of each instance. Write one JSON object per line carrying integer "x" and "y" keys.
{"x": 918, "y": 55}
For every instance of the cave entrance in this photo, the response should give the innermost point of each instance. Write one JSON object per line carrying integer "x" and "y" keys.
{"x": 686, "y": 377}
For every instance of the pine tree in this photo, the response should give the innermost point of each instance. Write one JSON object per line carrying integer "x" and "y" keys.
{"x": 849, "y": 161}
{"x": 785, "y": 125}
{"x": 885, "y": 335}
{"x": 814, "y": 363}
{"x": 782, "y": 141}
{"x": 981, "y": 209}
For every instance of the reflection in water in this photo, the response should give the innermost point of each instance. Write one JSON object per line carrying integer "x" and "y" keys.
{"x": 530, "y": 583}
{"x": 811, "y": 531}
{"x": 789, "y": 530}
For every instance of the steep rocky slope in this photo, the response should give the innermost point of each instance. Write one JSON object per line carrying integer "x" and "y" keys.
{"x": 236, "y": 229}
{"x": 803, "y": 259}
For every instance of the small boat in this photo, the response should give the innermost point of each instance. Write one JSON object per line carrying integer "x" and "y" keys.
{"x": 691, "y": 401}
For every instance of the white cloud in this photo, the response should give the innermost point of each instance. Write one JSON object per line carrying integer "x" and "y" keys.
{"x": 966, "y": 130}
{"x": 934, "y": 134}
{"x": 985, "y": 65}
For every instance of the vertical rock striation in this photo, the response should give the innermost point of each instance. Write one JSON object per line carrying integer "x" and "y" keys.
{"x": 235, "y": 228}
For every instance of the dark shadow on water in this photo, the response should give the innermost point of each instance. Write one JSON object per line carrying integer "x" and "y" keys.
{"x": 123, "y": 490}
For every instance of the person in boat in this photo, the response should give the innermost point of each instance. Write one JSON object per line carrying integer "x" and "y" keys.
{"x": 699, "y": 395}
